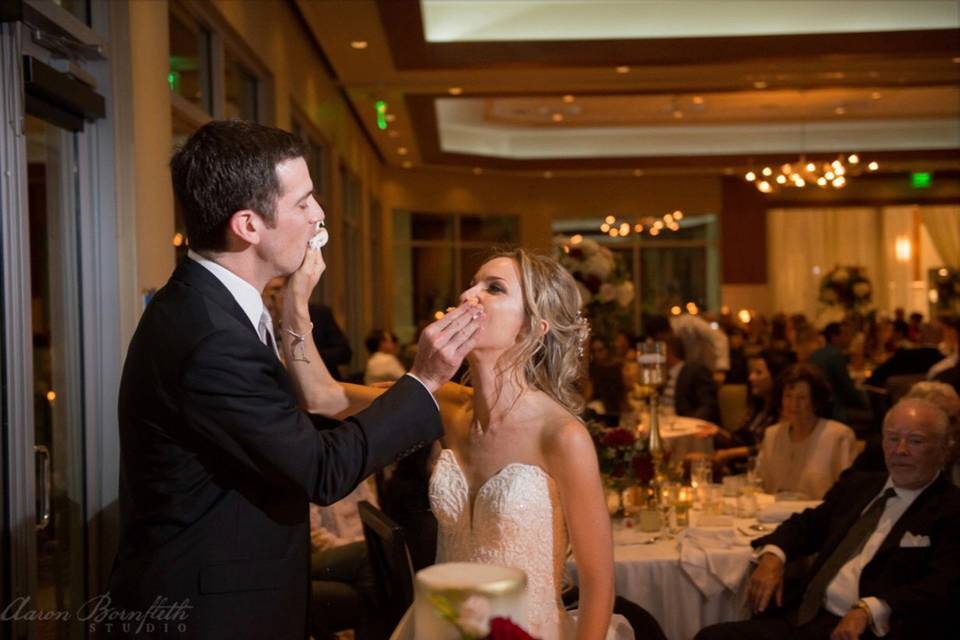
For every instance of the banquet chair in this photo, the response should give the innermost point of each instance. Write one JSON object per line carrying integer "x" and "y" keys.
{"x": 390, "y": 563}
{"x": 732, "y": 399}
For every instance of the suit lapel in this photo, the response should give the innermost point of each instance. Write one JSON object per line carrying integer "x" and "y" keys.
{"x": 859, "y": 498}
{"x": 916, "y": 514}
{"x": 195, "y": 275}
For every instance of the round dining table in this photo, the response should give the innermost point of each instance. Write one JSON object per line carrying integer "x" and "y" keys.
{"x": 693, "y": 579}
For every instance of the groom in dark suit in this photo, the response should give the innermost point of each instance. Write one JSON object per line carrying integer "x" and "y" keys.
{"x": 887, "y": 545}
{"x": 218, "y": 463}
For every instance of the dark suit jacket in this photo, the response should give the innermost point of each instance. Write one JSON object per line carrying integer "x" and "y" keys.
{"x": 905, "y": 361}
{"x": 332, "y": 344}
{"x": 921, "y": 584}
{"x": 695, "y": 395}
{"x": 218, "y": 465}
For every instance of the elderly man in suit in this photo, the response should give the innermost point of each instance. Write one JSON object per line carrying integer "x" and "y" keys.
{"x": 887, "y": 545}
{"x": 218, "y": 461}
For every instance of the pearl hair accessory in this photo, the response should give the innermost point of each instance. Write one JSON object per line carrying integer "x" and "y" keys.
{"x": 583, "y": 332}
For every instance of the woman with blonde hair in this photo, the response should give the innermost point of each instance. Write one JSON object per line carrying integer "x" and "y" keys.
{"x": 516, "y": 480}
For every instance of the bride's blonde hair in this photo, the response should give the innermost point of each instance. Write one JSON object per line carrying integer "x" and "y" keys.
{"x": 547, "y": 361}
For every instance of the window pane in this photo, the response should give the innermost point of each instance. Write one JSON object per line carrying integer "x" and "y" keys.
{"x": 79, "y": 8}
{"x": 493, "y": 229}
{"x": 673, "y": 276}
{"x": 470, "y": 260}
{"x": 241, "y": 90}
{"x": 189, "y": 62}
{"x": 426, "y": 226}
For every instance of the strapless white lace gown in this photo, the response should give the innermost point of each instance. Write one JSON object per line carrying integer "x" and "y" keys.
{"x": 516, "y": 521}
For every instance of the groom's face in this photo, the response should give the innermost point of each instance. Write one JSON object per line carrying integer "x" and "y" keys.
{"x": 285, "y": 243}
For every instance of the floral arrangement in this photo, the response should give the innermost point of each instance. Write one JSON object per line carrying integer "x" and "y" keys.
{"x": 622, "y": 456}
{"x": 603, "y": 281}
{"x": 847, "y": 288}
{"x": 472, "y": 619}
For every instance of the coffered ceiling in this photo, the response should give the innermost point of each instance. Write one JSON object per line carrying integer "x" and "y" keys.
{"x": 705, "y": 86}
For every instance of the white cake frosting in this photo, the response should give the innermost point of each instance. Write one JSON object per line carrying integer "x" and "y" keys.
{"x": 491, "y": 590}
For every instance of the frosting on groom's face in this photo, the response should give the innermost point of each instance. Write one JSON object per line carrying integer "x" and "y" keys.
{"x": 497, "y": 288}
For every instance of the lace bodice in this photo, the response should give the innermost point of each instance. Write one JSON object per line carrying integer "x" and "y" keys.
{"x": 516, "y": 521}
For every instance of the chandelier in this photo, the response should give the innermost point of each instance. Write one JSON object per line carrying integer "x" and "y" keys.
{"x": 805, "y": 173}
{"x": 617, "y": 228}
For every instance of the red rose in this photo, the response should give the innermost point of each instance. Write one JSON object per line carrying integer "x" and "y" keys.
{"x": 643, "y": 468}
{"x": 504, "y": 629}
{"x": 619, "y": 437}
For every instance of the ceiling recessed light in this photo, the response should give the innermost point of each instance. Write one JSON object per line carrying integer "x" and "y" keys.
{"x": 956, "y": 60}
{"x": 548, "y": 174}
{"x": 393, "y": 133}
{"x": 638, "y": 172}
{"x": 677, "y": 114}
{"x": 568, "y": 98}
{"x": 697, "y": 99}
{"x": 876, "y": 95}
{"x": 390, "y": 117}
{"x": 407, "y": 164}
{"x": 359, "y": 44}
{"x": 759, "y": 84}
{"x": 623, "y": 69}
{"x": 455, "y": 91}
{"x": 557, "y": 117}
{"x": 477, "y": 171}
{"x": 402, "y": 151}
{"x": 840, "y": 111}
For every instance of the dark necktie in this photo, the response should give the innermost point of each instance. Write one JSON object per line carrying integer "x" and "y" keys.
{"x": 849, "y": 547}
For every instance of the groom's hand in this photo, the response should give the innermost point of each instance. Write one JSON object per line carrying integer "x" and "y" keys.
{"x": 444, "y": 344}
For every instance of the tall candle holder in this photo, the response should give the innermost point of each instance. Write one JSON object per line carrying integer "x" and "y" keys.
{"x": 652, "y": 358}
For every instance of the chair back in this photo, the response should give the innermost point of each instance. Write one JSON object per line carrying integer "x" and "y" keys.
{"x": 390, "y": 563}
{"x": 732, "y": 399}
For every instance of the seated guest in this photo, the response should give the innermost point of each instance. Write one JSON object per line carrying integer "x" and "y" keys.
{"x": 832, "y": 362}
{"x": 906, "y": 360}
{"x": 806, "y": 342}
{"x": 943, "y": 396}
{"x": 739, "y": 367}
{"x": 804, "y": 452}
{"x": 690, "y": 390}
{"x": 332, "y": 343}
{"x": 383, "y": 364}
{"x": 887, "y": 545}
{"x": 763, "y": 408}
{"x": 341, "y": 581}
{"x": 948, "y": 347}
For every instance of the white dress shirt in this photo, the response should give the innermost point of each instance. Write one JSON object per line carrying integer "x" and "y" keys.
{"x": 382, "y": 367}
{"x": 843, "y": 592}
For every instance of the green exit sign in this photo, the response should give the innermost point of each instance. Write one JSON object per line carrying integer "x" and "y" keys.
{"x": 921, "y": 180}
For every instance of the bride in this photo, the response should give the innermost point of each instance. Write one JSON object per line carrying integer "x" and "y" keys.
{"x": 517, "y": 473}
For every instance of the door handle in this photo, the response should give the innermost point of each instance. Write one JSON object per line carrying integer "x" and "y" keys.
{"x": 43, "y": 518}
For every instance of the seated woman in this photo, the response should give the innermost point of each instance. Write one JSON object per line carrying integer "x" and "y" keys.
{"x": 763, "y": 407}
{"x": 805, "y": 452}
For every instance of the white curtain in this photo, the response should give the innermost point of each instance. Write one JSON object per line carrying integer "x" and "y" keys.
{"x": 943, "y": 223}
{"x": 804, "y": 244}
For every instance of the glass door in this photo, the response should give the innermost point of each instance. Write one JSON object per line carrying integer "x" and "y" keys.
{"x": 52, "y": 189}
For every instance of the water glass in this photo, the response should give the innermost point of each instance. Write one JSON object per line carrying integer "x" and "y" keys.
{"x": 753, "y": 474}
{"x": 747, "y": 503}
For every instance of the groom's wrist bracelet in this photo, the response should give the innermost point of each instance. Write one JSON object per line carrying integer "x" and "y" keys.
{"x": 297, "y": 351}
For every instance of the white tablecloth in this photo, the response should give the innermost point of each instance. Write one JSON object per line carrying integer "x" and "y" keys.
{"x": 652, "y": 576}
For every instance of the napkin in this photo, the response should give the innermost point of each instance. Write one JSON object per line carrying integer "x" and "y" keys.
{"x": 780, "y": 511}
{"x": 706, "y": 559}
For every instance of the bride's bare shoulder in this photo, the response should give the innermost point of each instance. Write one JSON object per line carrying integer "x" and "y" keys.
{"x": 563, "y": 434}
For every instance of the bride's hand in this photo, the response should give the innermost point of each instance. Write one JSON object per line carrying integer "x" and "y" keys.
{"x": 300, "y": 284}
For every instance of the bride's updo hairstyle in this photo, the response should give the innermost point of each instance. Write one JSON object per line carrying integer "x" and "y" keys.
{"x": 550, "y": 361}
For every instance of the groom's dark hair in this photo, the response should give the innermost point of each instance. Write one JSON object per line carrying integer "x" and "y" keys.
{"x": 226, "y": 166}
